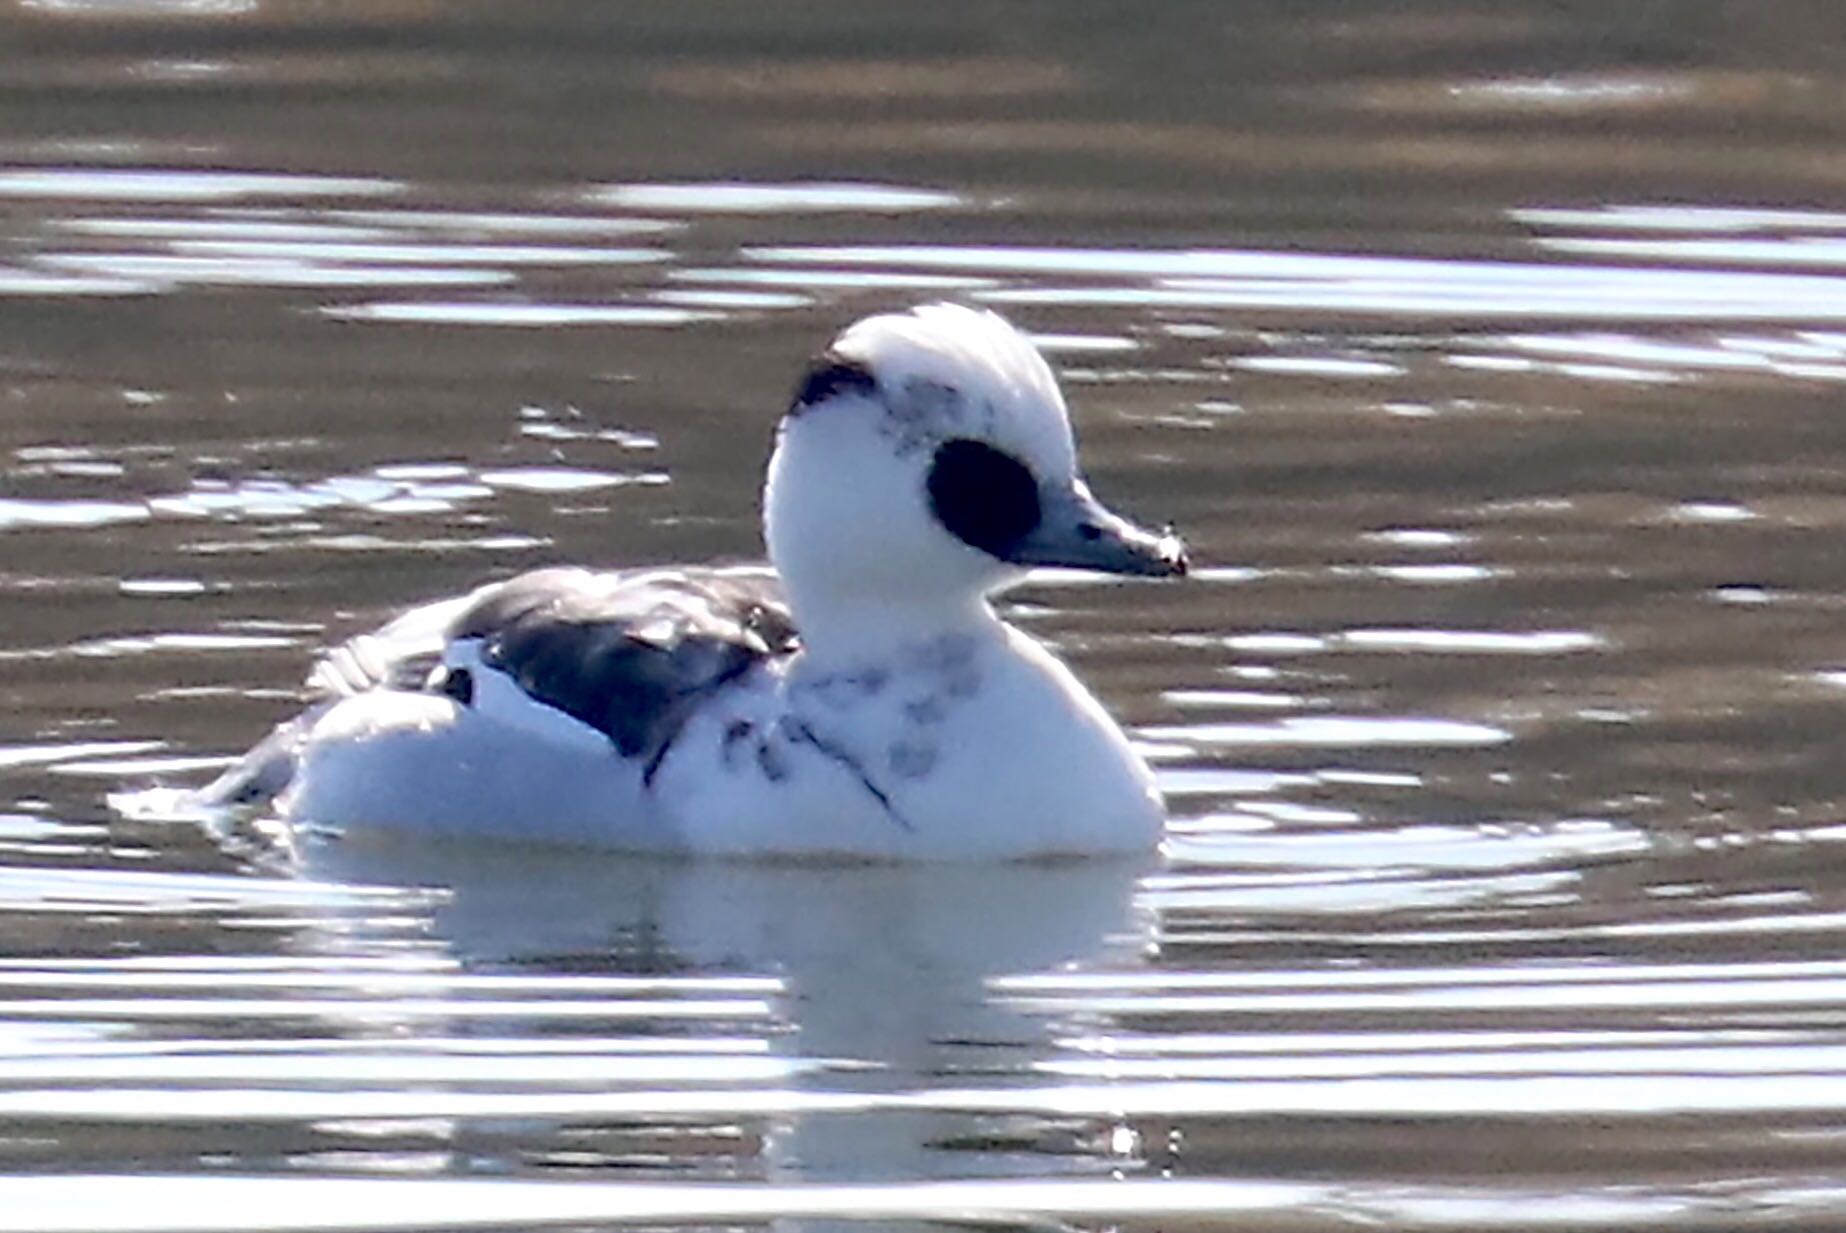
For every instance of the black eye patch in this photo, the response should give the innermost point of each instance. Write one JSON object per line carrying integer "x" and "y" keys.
{"x": 829, "y": 376}
{"x": 986, "y": 498}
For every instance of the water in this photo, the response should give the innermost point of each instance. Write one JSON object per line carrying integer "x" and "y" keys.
{"x": 1487, "y": 354}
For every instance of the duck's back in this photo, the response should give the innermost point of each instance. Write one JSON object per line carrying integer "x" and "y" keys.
{"x": 534, "y": 708}
{"x": 628, "y": 654}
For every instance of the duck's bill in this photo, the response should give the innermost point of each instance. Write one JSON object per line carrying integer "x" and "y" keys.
{"x": 1077, "y": 531}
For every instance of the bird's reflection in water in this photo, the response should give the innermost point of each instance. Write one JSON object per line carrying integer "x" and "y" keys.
{"x": 882, "y": 973}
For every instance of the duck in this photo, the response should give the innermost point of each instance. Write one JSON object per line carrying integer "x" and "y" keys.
{"x": 857, "y": 697}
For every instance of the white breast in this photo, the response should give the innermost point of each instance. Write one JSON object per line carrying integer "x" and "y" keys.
{"x": 978, "y": 749}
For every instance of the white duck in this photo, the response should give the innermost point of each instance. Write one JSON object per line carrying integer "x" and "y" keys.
{"x": 863, "y": 699}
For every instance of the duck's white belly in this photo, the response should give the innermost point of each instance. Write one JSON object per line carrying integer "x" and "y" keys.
{"x": 414, "y": 764}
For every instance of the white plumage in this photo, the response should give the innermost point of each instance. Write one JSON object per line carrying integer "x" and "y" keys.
{"x": 861, "y": 700}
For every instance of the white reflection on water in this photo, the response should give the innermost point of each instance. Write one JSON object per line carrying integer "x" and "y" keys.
{"x": 544, "y": 424}
{"x": 1444, "y": 993}
{"x": 1709, "y": 512}
{"x": 437, "y": 254}
{"x": 1421, "y": 537}
{"x": 1235, "y": 699}
{"x": 564, "y": 479}
{"x": 852, "y": 280}
{"x": 1508, "y": 1097}
{"x": 734, "y": 300}
{"x": 161, "y": 766}
{"x": 466, "y": 222}
{"x": 370, "y": 980}
{"x": 1437, "y": 575}
{"x": 527, "y": 316}
{"x": 1356, "y": 731}
{"x": 395, "y": 488}
{"x": 1681, "y": 218}
{"x": 1628, "y": 349}
{"x": 180, "y": 184}
{"x": 240, "y": 227}
{"x": 907, "y": 1010}
{"x": 145, "y": 644}
{"x": 404, "y": 1012}
{"x": 1083, "y": 344}
{"x": 1811, "y": 355}
{"x": 35, "y": 284}
{"x": 191, "y": 9}
{"x": 388, "y": 1069}
{"x": 39, "y": 755}
{"x": 1359, "y": 895}
{"x": 739, "y": 197}
{"x": 129, "y": 1204}
{"x": 168, "y": 270}
{"x": 172, "y": 1102}
{"x": 1365, "y": 851}
{"x": 1225, "y": 781}
{"x": 1477, "y": 290}
{"x": 1802, "y": 252}
{"x": 1473, "y": 641}
{"x": 79, "y": 891}
{"x": 1534, "y": 975}
{"x": 16, "y": 513}
{"x": 305, "y": 245}
{"x": 116, "y": 1203}
{"x": 880, "y": 974}
{"x": 179, "y": 587}
{"x": 1319, "y": 366}
{"x": 1574, "y": 93}
{"x": 1426, "y": 1059}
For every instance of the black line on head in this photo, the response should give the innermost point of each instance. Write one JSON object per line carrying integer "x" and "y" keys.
{"x": 830, "y": 375}
{"x": 986, "y": 498}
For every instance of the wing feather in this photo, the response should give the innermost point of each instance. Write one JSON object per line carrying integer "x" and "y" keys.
{"x": 399, "y": 655}
{"x": 631, "y": 653}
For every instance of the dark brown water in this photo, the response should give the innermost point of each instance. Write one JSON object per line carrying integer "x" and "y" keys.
{"x": 1490, "y": 355}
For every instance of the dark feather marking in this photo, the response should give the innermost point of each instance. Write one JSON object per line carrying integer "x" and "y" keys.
{"x": 630, "y": 654}
{"x": 457, "y": 683}
{"x": 912, "y": 759}
{"x": 930, "y": 709}
{"x": 654, "y": 760}
{"x": 770, "y": 762}
{"x": 736, "y": 731}
{"x": 830, "y": 375}
{"x": 799, "y": 730}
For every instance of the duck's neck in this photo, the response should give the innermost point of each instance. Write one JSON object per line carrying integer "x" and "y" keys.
{"x": 837, "y": 632}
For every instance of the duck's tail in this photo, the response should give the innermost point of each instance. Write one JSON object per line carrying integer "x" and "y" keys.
{"x": 252, "y": 782}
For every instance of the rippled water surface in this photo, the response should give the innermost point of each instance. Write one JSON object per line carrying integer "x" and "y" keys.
{"x": 1491, "y": 356}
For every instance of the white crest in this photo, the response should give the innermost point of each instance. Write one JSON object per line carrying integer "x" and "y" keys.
{"x": 946, "y": 370}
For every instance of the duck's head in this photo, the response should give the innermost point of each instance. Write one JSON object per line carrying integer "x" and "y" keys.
{"x": 927, "y": 459}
